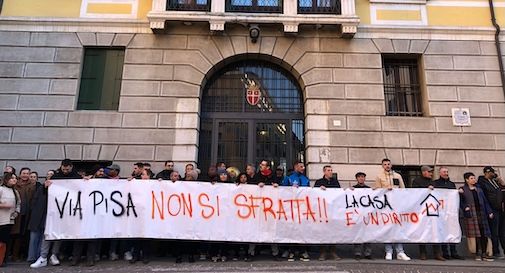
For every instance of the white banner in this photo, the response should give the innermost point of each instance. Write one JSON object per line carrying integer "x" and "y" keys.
{"x": 100, "y": 208}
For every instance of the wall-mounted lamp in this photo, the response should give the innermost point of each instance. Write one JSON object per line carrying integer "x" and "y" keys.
{"x": 254, "y": 33}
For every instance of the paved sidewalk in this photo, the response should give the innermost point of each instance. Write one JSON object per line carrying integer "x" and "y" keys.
{"x": 265, "y": 265}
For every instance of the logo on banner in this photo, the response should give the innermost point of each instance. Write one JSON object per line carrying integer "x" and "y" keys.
{"x": 253, "y": 92}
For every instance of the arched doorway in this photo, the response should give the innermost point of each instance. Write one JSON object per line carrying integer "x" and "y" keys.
{"x": 251, "y": 110}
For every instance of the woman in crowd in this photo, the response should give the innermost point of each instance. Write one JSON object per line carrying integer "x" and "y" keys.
{"x": 241, "y": 179}
{"x": 10, "y": 206}
{"x": 476, "y": 210}
{"x": 232, "y": 173}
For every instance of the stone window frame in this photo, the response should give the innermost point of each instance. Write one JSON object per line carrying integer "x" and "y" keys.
{"x": 347, "y": 20}
{"x": 405, "y": 90}
{"x": 188, "y": 5}
{"x": 115, "y": 92}
{"x": 334, "y": 7}
{"x": 255, "y": 6}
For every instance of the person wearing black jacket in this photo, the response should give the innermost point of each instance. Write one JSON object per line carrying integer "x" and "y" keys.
{"x": 250, "y": 171}
{"x": 327, "y": 182}
{"x": 425, "y": 181}
{"x": 66, "y": 171}
{"x": 492, "y": 185}
{"x": 37, "y": 217}
{"x": 165, "y": 174}
{"x": 137, "y": 170}
{"x": 265, "y": 175}
{"x": 444, "y": 182}
{"x": 365, "y": 249}
{"x": 279, "y": 176}
{"x": 211, "y": 175}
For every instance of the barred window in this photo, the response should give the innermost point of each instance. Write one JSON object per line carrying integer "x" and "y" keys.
{"x": 196, "y": 5}
{"x": 267, "y": 6}
{"x": 402, "y": 92}
{"x": 408, "y": 173}
{"x": 319, "y": 6}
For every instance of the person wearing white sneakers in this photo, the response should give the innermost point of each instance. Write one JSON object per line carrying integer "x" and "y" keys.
{"x": 389, "y": 179}
{"x": 46, "y": 246}
{"x": 66, "y": 171}
{"x": 42, "y": 260}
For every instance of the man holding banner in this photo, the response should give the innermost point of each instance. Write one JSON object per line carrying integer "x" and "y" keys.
{"x": 425, "y": 181}
{"x": 66, "y": 171}
{"x": 449, "y": 251}
{"x": 390, "y": 179}
{"x": 327, "y": 182}
{"x": 296, "y": 215}
{"x": 297, "y": 179}
{"x": 365, "y": 248}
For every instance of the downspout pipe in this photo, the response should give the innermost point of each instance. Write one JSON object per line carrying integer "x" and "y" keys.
{"x": 497, "y": 43}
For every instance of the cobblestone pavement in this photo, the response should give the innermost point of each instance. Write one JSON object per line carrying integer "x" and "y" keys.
{"x": 343, "y": 266}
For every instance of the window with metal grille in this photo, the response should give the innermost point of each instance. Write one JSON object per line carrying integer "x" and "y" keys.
{"x": 267, "y": 6}
{"x": 319, "y": 6}
{"x": 408, "y": 173}
{"x": 195, "y": 5}
{"x": 278, "y": 90}
{"x": 251, "y": 110}
{"x": 402, "y": 92}
{"x": 101, "y": 79}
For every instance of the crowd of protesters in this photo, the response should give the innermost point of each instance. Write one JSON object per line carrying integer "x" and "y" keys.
{"x": 23, "y": 209}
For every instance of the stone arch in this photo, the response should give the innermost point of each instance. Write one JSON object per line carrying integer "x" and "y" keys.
{"x": 248, "y": 56}
{"x": 222, "y": 104}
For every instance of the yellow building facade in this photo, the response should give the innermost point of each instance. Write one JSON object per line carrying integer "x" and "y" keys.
{"x": 440, "y": 13}
{"x": 374, "y": 79}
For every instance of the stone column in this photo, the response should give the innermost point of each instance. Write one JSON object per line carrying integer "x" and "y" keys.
{"x": 290, "y": 9}
{"x": 217, "y": 7}
{"x": 159, "y": 6}
{"x": 348, "y": 9}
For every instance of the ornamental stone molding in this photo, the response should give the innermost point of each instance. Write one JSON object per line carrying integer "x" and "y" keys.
{"x": 289, "y": 18}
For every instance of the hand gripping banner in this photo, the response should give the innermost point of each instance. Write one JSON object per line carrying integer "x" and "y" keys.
{"x": 101, "y": 208}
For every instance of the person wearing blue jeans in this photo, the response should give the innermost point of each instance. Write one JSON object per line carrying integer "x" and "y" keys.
{"x": 389, "y": 179}
{"x": 297, "y": 179}
{"x": 44, "y": 253}
{"x": 34, "y": 245}
{"x": 37, "y": 220}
